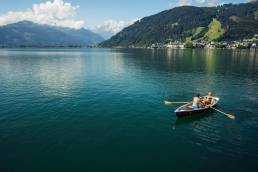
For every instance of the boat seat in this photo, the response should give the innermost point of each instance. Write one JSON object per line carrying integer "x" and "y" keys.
{"x": 190, "y": 107}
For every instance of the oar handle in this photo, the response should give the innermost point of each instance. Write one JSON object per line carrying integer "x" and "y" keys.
{"x": 180, "y": 102}
{"x": 228, "y": 115}
{"x": 169, "y": 103}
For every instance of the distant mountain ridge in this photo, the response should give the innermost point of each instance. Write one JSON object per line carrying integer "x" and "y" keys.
{"x": 228, "y": 22}
{"x": 26, "y": 33}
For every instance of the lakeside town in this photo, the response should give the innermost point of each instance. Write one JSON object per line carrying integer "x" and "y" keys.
{"x": 242, "y": 44}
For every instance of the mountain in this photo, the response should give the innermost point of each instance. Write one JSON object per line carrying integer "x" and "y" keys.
{"x": 104, "y": 33}
{"x": 86, "y": 36}
{"x": 228, "y": 22}
{"x": 26, "y": 33}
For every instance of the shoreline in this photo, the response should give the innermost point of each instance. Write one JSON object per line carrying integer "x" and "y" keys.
{"x": 147, "y": 48}
{"x": 135, "y": 47}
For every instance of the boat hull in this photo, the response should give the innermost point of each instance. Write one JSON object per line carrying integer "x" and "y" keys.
{"x": 180, "y": 112}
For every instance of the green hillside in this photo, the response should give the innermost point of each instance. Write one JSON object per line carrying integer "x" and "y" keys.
{"x": 223, "y": 23}
{"x": 215, "y": 30}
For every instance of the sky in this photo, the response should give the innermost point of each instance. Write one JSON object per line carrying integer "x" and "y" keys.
{"x": 106, "y": 17}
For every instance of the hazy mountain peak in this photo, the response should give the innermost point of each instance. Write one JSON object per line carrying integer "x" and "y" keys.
{"x": 27, "y": 33}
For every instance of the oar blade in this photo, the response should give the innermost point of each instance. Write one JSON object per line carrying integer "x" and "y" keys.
{"x": 168, "y": 103}
{"x": 231, "y": 116}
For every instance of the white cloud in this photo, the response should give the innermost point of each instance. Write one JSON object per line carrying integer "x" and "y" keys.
{"x": 114, "y": 26}
{"x": 56, "y": 12}
{"x": 198, "y": 2}
{"x": 213, "y": 2}
{"x": 184, "y": 2}
{"x": 111, "y": 27}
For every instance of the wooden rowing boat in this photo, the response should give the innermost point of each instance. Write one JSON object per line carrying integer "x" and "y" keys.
{"x": 187, "y": 109}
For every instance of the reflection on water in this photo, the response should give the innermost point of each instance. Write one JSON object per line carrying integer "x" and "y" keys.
{"x": 82, "y": 106}
{"x": 59, "y": 75}
{"x": 192, "y": 119}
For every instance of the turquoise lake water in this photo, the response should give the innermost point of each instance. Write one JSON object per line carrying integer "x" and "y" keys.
{"x": 102, "y": 110}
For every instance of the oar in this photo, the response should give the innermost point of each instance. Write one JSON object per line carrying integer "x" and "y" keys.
{"x": 228, "y": 115}
{"x": 170, "y": 103}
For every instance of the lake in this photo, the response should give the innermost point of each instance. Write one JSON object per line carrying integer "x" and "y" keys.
{"x": 102, "y": 110}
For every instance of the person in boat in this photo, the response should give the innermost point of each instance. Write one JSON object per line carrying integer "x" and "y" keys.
{"x": 197, "y": 102}
{"x": 208, "y": 99}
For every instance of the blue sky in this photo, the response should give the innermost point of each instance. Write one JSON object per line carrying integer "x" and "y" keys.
{"x": 112, "y": 14}
{"x": 97, "y": 11}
